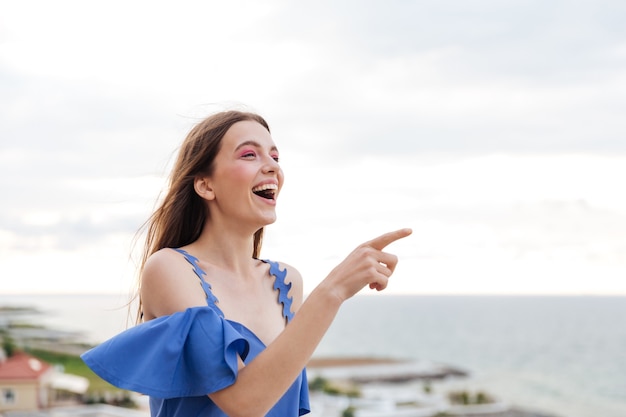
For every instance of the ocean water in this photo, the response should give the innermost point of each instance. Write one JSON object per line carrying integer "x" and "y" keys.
{"x": 562, "y": 355}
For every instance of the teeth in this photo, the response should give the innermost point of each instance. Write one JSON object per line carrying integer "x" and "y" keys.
{"x": 265, "y": 187}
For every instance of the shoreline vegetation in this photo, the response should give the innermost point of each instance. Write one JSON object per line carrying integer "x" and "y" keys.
{"x": 363, "y": 379}
{"x": 342, "y": 386}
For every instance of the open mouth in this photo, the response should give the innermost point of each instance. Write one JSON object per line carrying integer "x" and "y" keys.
{"x": 267, "y": 191}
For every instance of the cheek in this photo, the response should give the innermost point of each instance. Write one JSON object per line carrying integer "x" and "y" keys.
{"x": 281, "y": 178}
{"x": 240, "y": 174}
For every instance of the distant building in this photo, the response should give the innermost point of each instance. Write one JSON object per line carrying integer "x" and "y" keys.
{"x": 29, "y": 384}
{"x": 25, "y": 382}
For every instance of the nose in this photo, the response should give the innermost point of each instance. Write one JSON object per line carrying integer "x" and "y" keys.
{"x": 271, "y": 165}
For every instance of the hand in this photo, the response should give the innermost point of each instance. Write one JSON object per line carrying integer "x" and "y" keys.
{"x": 366, "y": 265}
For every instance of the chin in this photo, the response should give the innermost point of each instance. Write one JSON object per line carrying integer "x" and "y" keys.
{"x": 269, "y": 221}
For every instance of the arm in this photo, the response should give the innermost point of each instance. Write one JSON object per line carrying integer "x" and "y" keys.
{"x": 261, "y": 383}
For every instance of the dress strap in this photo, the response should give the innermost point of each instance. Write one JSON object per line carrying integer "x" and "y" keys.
{"x": 211, "y": 299}
{"x": 279, "y": 284}
{"x": 281, "y": 287}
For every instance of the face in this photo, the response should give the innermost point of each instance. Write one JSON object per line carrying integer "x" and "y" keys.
{"x": 246, "y": 178}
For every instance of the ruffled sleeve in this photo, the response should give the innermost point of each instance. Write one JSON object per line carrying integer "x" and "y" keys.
{"x": 304, "y": 406}
{"x": 189, "y": 353}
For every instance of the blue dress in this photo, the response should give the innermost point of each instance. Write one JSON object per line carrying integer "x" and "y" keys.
{"x": 178, "y": 359}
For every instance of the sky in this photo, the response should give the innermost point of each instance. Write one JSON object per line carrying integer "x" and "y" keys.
{"x": 495, "y": 130}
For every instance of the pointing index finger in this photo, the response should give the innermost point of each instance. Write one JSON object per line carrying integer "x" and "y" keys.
{"x": 382, "y": 241}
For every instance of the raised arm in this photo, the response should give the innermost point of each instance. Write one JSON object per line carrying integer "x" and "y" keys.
{"x": 261, "y": 383}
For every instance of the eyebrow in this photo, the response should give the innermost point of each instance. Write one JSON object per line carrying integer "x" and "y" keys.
{"x": 253, "y": 143}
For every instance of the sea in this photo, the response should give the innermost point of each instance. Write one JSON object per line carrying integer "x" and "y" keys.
{"x": 560, "y": 355}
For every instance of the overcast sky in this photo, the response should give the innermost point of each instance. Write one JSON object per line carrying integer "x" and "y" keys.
{"x": 494, "y": 129}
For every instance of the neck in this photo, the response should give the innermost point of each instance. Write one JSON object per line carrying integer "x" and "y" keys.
{"x": 226, "y": 247}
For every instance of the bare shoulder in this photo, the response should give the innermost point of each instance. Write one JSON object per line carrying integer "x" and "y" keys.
{"x": 162, "y": 267}
{"x": 168, "y": 285}
{"x": 162, "y": 258}
{"x": 295, "y": 279}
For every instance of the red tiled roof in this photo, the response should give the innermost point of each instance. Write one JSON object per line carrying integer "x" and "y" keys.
{"x": 22, "y": 366}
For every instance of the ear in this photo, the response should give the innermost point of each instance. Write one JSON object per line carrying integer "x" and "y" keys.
{"x": 203, "y": 188}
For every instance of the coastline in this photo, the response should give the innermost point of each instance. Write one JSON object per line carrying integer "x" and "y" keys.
{"x": 519, "y": 348}
{"x": 390, "y": 387}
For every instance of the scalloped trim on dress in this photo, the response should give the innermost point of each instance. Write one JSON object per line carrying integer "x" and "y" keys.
{"x": 211, "y": 299}
{"x": 281, "y": 287}
{"x": 279, "y": 284}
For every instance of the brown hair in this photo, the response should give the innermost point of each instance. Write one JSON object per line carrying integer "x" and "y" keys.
{"x": 180, "y": 217}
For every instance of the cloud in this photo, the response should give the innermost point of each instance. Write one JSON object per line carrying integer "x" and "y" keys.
{"x": 64, "y": 234}
{"x": 459, "y": 77}
{"x": 529, "y": 39}
{"x": 446, "y": 114}
{"x": 403, "y": 77}
{"x": 41, "y": 114}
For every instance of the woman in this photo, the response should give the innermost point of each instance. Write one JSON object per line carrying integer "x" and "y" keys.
{"x": 220, "y": 335}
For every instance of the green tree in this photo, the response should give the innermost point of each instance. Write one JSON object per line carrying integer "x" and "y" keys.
{"x": 348, "y": 412}
{"x": 318, "y": 384}
{"x": 8, "y": 345}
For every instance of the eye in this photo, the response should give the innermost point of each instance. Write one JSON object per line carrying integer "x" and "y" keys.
{"x": 248, "y": 154}
{"x": 275, "y": 158}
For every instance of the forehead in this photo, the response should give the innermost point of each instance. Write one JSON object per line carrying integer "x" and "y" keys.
{"x": 247, "y": 131}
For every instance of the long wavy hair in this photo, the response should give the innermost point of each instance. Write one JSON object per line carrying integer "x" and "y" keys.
{"x": 181, "y": 215}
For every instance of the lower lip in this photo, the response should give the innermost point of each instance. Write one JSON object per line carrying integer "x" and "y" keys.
{"x": 265, "y": 200}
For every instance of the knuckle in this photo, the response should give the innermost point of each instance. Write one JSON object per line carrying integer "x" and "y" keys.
{"x": 361, "y": 251}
